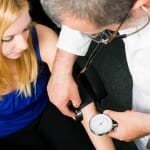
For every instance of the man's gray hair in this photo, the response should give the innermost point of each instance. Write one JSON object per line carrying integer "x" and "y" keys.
{"x": 99, "y": 12}
{"x": 50, "y": 8}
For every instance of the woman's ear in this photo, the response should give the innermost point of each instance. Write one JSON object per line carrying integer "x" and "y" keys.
{"x": 139, "y": 3}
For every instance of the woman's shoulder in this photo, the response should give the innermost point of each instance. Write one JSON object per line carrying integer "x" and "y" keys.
{"x": 45, "y": 34}
{"x": 47, "y": 38}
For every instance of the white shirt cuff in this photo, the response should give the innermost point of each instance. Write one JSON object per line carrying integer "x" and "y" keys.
{"x": 73, "y": 41}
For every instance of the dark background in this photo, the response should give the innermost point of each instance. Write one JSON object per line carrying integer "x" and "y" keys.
{"x": 37, "y": 13}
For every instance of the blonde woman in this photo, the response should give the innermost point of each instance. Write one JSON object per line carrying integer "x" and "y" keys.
{"x": 27, "y": 118}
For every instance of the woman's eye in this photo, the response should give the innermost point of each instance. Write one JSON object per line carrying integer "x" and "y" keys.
{"x": 28, "y": 28}
{"x": 10, "y": 38}
{"x": 7, "y": 39}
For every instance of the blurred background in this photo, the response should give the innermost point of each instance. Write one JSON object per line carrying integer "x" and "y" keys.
{"x": 37, "y": 13}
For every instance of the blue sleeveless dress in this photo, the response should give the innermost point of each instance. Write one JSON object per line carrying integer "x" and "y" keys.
{"x": 17, "y": 111}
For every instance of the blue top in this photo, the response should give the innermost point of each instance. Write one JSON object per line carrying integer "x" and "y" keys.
{"x": 17, "y": 111}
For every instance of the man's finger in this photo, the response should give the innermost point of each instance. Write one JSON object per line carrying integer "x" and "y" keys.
{"x": 113, "y": 133}
{"x": 67, "y": 112}
{"x": 111, "y": 114}
{"x": 76, "y": 101}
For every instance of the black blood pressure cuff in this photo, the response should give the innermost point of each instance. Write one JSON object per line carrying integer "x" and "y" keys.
{"x": 90, "y": 88}
{"x": 85, "y": 91}
{"x": 90, "y": 85}
{"x": 86, "y": 95}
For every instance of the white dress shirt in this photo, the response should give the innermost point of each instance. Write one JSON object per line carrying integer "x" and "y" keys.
{"x": 138, "y": 57}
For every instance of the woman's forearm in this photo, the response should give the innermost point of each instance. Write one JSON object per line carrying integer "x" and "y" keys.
{"x": 100, "y": 142}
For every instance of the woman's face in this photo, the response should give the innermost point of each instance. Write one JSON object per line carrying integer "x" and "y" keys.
{"x": 14, "y": 39}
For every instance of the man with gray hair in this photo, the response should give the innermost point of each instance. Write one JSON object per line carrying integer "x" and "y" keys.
{"x": 71, "y": 43}
{"x": 123, "y": 69}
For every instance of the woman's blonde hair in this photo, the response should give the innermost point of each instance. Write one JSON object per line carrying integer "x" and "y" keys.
{"x": 27, "y": 68}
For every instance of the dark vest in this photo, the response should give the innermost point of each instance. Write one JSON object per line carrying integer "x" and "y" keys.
{"x": 111, "y": 79}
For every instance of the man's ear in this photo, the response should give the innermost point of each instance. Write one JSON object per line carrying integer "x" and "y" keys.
{"x": 139, "y": 3}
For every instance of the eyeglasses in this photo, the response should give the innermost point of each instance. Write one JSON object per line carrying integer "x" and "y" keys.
{"x": 107, "y": 36}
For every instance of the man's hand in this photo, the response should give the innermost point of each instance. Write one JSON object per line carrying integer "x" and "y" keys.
{"x": 131, "y": 125}
{"x": 63, "y": 90}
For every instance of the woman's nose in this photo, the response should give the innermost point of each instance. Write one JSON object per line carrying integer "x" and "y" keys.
{"x": 21, "y": 42}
